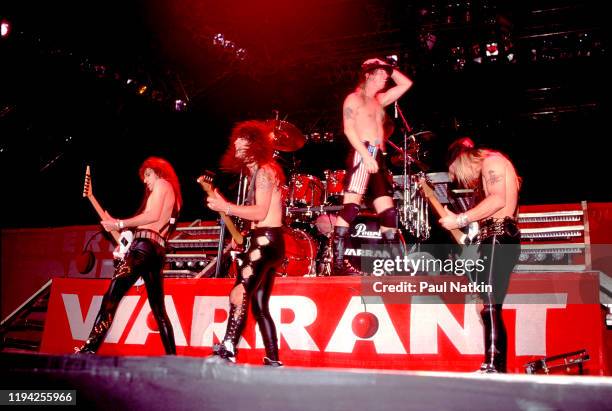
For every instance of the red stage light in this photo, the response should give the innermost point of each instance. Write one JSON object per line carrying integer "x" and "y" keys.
{"x": 5, "y": 28}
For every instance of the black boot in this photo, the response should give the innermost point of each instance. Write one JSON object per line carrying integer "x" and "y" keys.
{"x": 495, "y": 339}
{"x": 272, "y": 363}
{"x": 235, "y": 324}
{"x": 393, "y": 243}
{"x": 341, "y": 266}
{"x": 96, "y": 337}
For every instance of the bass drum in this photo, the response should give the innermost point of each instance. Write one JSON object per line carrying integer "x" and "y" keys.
{"x": 300, "y": 254}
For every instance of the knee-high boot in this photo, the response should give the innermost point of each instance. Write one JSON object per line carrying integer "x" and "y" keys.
{"x": 235, "y": 324}
{"x": 98, "y": 332}
{"x": 495, "y": 339}
{"x": 340, "y": 240}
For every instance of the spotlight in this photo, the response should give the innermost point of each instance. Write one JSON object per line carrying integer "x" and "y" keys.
{"x": 5, "y": 28}
{"x": 142, "y": 89}
{"x": 315, "y": 137}
{"x": 229, "y": 45}
{"x": 241, "y": 54}
{"x": 219, "y": 39}
{"x": 179, "y": 105}
{"x": 392, "y": 59}
{"x": 492, "y": 49}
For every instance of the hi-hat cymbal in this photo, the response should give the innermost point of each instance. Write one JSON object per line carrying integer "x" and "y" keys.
{"x": 286, "y": 136}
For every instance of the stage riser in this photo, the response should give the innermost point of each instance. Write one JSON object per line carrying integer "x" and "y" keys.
{"x": 323, "y": 322}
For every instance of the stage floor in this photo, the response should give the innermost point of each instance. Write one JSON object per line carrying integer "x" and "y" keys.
{"x": 185, "y": 383}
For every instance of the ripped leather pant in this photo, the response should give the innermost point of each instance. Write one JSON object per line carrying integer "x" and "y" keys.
{"x": 256, "y": 273}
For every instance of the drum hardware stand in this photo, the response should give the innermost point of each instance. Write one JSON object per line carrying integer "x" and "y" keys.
{"x": 414, "y": 215}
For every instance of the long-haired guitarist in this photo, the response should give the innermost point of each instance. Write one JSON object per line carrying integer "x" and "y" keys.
{"x": 494, "y": 178}
{"x": 251, "y": 151}
{"x": 363, "y": 115}
{"x": 145, "y": 257}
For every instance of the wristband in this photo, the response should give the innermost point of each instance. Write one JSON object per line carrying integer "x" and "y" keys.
{"x": 462, "y": 220}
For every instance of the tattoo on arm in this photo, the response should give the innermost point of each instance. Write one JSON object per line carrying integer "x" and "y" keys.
{"x": 348, "y": 113}
{"x": 493, "y": 178}
{"x": 265, "y": 181}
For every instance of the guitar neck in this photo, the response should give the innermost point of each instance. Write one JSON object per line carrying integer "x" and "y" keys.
{"x": 232, "y": 228}
{"x": 440, "y": 212}
{"x": 102, "y": 215}
{"x": 238, "y": 238}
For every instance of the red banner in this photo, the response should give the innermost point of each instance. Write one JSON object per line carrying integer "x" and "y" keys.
{"x": 325, "y": 322}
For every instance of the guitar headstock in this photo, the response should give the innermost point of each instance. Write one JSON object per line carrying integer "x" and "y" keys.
{"x": 206, "y": 181}
{"x": 87, "y": 190}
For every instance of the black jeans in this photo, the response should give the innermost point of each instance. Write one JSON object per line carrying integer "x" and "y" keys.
{"x": 144, "y": 259}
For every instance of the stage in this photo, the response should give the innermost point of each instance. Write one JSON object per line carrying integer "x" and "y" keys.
{"x": 186, "y": 383}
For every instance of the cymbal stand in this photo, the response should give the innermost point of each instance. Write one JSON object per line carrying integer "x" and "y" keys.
{"x": 414, "y": 214}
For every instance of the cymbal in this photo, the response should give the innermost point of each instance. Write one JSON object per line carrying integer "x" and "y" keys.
{"x": 398, "y": 160}
{"x": 286, "y": 136}
{"x": 424, "y": 135}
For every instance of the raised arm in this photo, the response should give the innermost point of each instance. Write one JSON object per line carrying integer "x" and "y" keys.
{"x": 402, "y": 84}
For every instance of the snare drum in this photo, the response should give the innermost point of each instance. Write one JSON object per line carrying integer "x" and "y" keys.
{"x": 306, "y": 190}
{"x": 335, "y": 183}
{"x": 300, "y": 254}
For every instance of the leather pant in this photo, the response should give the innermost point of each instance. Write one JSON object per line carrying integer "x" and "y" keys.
{"x": 144, "y": 259}
{"x": 499, "y": 248}
{"x": 256, "y": 273}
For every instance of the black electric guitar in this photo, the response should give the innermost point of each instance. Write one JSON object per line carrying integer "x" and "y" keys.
{"x": 205, "y": 181}
{"x": 459, "y": 236}
{"x": 469, "y": 249}
{"x": 122, "y": 239}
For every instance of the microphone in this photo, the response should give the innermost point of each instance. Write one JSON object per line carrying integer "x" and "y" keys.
{"x": 395, "y": 109}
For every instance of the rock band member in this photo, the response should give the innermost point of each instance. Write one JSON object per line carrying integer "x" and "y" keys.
{"x": 363, "y": 115}
{"x": 496, "y": 183}
{"x": 145, "y": 258}
{"x": 251, "y": 151}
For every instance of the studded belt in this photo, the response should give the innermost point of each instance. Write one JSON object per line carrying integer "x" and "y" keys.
{"x": 497, "y": 226}
{"x": 150, "y": 235}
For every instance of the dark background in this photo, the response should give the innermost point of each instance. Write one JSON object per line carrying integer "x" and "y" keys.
{"x": 72, "y": 78}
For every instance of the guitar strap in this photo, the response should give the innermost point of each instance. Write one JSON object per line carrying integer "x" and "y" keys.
{"x": 170, "y": 226}
{"x": 250, "y": 195}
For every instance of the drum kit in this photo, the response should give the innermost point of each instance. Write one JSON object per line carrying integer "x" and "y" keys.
{"x": 312, "y": 203}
